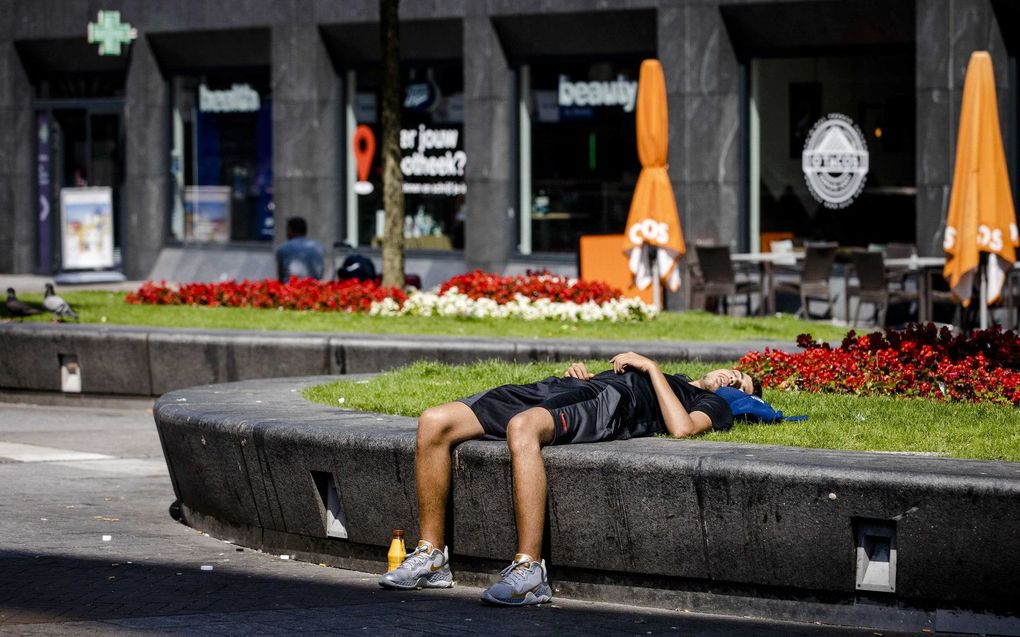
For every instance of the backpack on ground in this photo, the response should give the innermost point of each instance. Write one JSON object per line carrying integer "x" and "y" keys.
{"x": 356, "y": 266}
{"x": 752, "y": 408}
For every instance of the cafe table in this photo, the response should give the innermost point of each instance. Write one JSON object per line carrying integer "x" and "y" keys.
{"x": 930, "y": 267}
{"x": 920, "y": 267}
{"x": 923, "y": 268}
{"x": 766, "y": 262}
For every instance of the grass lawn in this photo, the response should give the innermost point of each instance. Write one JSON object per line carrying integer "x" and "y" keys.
{"x": 110, "y": 308}
{"x": 836, "y": 422}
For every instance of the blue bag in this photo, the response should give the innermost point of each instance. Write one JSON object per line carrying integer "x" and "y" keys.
{"x": 751, "y": 408}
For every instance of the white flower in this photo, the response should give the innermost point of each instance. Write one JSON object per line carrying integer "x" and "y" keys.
{"x": 386, "y": 307}
{"x": 454, "y": 303}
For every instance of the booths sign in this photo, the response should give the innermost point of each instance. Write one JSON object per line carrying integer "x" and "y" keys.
{"x": 835, "y": 161}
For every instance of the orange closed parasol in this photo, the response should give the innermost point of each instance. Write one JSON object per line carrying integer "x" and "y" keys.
{"x": 653, "y": 221}
{"x": 981, "y": 216}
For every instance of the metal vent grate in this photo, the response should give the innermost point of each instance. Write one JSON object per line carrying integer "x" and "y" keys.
{"x": 336, "y": 520}
{"x": 876, "y": 555}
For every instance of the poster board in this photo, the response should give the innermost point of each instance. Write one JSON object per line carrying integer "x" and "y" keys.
{"x": 207, "y": 214}
{"x": 86, "y": 225}
{"x": 602, "y": 259}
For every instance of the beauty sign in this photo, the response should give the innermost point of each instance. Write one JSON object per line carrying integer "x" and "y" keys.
{"x": 620, "y": 92}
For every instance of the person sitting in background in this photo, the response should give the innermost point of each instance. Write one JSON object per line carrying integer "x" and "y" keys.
{"x": 299, "y": 256}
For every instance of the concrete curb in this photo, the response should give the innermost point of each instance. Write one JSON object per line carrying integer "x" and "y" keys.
{"x": 710, "y": 527}
{"x": 141, "y": 361}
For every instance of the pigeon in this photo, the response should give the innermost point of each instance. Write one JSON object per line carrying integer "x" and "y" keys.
{"x": 57, "y": 305}
{"x": 17, "y": 308}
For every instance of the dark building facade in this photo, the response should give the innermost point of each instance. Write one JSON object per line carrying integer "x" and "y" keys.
{"x": 221, "y": 119}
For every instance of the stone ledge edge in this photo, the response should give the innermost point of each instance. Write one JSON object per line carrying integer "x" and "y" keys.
{"x": 264, "y": 437}
{"x": 144, "y": 361}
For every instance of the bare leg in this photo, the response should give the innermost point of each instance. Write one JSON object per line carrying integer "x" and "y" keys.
{"x": 527, "y": 433}
{"x": 439, "y": 430}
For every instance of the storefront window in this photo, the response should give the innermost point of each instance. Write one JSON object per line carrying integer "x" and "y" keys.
{"x": 431, "y": 150}
{"x": 579, "y": 154}
{"x": 221, "y": 158}
{"x": 872, "y": 97}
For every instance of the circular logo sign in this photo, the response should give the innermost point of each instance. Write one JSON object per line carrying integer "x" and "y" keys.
{"x": 835, "y": 161}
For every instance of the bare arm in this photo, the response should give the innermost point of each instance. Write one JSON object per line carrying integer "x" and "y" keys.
{"x": 678, "y": 422}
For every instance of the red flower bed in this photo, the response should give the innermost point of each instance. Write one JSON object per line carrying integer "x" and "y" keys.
{"x": 533, "y": 285}
{"x": 983, "y": 366}
{"x": 356, "y": 296}
{"x": 296, "y": 294}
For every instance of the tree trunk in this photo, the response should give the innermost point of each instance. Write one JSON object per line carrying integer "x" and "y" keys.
{"x": 393, "y": 181}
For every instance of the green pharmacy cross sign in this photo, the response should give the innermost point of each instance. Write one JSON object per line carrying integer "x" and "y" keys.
{"x": 110, "y": 32}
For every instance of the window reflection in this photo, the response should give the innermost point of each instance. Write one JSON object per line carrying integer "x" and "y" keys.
{"x": 221, "y": 158}
{"x": 433, "y": 158}
{"x": 876, "y": 92}
{"x": 584, "y": 161}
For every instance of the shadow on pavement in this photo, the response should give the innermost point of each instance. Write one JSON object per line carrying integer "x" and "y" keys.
{"x": 157, "y": 596}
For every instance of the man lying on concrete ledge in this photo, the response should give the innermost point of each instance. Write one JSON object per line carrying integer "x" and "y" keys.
{"x": 632, "y": 399}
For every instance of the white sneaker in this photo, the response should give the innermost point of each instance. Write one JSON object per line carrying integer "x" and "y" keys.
{"x": 524, "y": 582}
{"x": 424, "y": 567}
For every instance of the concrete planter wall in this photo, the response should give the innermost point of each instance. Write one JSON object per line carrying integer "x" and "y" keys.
{"x": 685, "y": 524}
{"x": 152, "y": 361}
{"x": 724, "y": 528}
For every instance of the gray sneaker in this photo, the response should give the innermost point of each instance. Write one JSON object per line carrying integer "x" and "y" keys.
{"x": 524, "y": 582}
{"x": 424, "y": 567}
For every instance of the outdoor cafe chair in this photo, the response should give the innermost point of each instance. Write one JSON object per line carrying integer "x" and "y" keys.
{"x": 1011, "y": 294}
{"x": 899, "y": 251}
{"x": 719, "y": 280}
{"x": 814, "y": 278}
{"x": 873, "y": 286}
{"x": 939, "y": 294}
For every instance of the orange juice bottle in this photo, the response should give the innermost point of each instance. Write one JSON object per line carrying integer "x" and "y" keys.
{"x": 396, "y": 554}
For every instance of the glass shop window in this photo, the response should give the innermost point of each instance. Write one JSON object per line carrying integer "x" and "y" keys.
{"x": 431, "y": 150}
{"x": 796, "y": 100}
{"x": 583, "y": 154}
{"x": 221, "y": 160}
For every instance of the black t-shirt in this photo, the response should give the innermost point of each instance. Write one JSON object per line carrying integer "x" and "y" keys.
{"x": 639, "y": 407}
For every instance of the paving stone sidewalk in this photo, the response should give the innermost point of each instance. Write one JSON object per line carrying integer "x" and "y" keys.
{"x": 72, "y": 475}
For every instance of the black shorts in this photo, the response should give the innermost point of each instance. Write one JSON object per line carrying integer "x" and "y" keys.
{"x": 582, "y": 411}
